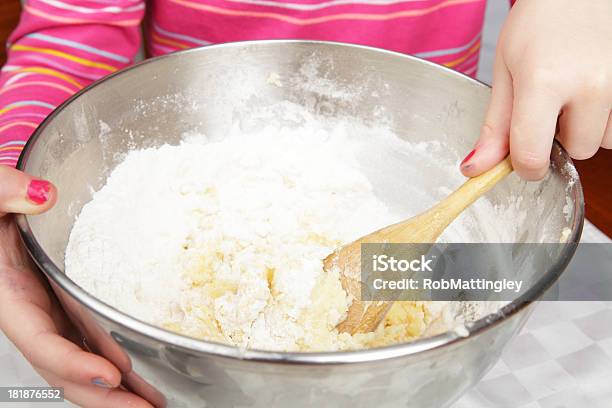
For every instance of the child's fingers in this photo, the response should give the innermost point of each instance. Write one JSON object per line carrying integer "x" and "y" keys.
{"x": 534, "y": 119}
{"x": 35, "y": 335}
{"x": 492, "y": 145}
{"x": 582, "y": 126}
{"x": 24, "y": 194}
{"x": 91, "y": 396}
{"x": 68, "y": 361}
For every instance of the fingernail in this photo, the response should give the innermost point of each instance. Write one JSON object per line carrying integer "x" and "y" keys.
{"x": 101, "y": 382}
{"x": 38, "y": 191}
{"x": 467, "y": 158}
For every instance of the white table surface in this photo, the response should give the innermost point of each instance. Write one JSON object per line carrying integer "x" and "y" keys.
{"x": 561, "y": 359}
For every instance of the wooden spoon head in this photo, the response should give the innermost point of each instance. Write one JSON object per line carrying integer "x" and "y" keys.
{"x": 365, "y": 316}
{"x": 362, "y": 316}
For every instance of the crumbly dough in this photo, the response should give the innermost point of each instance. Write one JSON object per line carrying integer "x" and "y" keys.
{"x": 223, "y": 239}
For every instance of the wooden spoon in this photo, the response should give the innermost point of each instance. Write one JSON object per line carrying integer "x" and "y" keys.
{"x": 364, "y": 317}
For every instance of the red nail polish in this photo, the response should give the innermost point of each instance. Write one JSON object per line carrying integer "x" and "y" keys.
{"x": 38, "y": 191}
{"x": 468, "y": 157}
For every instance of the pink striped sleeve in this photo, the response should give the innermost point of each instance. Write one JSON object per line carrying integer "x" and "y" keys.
{"x": 59, "y": 47}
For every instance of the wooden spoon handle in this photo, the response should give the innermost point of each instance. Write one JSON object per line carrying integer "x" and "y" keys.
{"x": 471, "y": 190}
{"x": 429, "y": 225}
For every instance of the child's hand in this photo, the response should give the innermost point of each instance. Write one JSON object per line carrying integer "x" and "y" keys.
{"x": 32, "y": 318}
{"x": 553, "y": 57}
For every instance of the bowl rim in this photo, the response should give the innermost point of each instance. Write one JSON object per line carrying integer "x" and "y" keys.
{"x": 190, "y": 344}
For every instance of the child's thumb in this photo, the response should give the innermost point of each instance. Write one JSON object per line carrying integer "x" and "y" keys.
{"x": 24, "y": 194}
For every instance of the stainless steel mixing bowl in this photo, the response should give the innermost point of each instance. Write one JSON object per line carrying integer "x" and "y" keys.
{"x": 206, "y": 89}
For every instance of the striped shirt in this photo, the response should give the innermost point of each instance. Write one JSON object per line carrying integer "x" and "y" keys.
{"x": 60, "y": 46}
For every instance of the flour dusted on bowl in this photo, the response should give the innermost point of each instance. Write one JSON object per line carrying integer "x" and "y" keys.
{"x": 223, "y": 239}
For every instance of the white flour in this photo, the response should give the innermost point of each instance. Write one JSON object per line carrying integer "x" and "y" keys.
{"x": 223, "y": 239}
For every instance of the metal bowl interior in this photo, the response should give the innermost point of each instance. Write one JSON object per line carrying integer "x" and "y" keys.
{"x": 206, "y": 89}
